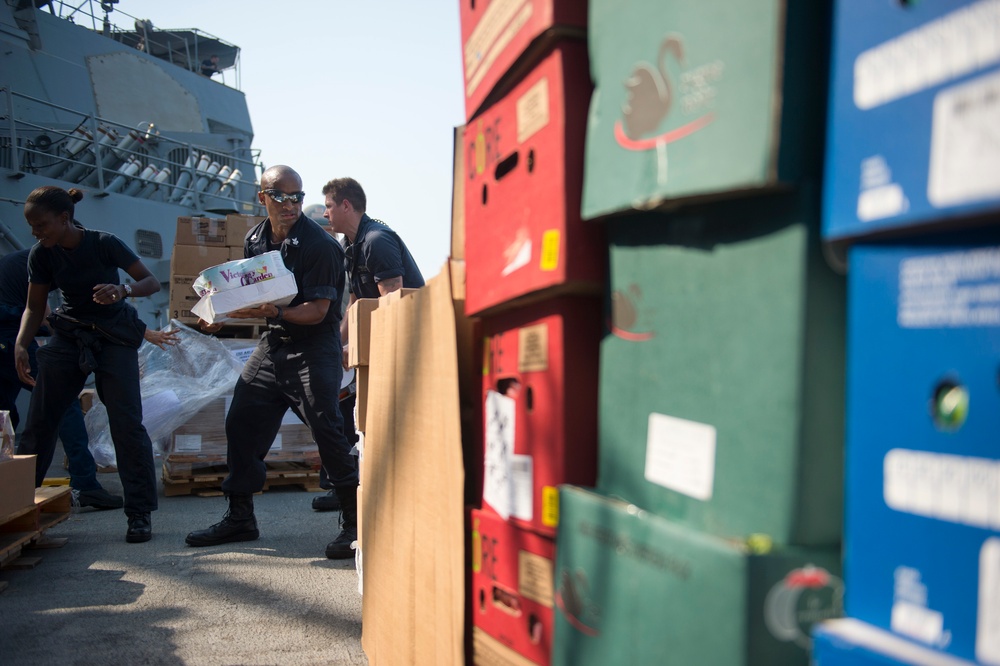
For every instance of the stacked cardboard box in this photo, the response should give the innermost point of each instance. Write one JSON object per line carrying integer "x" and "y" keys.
{"x": 412, "y": 527}
{"x": 913, "y": 194}
{"x": 202, "y": 242}
{"x": 721, "y": 374}
{"x": 534, "y": 275}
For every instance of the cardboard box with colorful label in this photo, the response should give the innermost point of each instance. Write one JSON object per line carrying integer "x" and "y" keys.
{"x": 702, "y": 98}
{"x": 922, "y": 529}
{"x": 915, "y": 98}
{"x": 524, "y": 164}
{"x": 540, "y": 396}
{"x": 633, "y": 588}
{"x": 499, "y": 34}
{"x": 512, "y": 588}
{"x": 722, "y": 379}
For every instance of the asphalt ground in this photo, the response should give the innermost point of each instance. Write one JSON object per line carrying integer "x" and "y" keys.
{"x": 100, "y": 600}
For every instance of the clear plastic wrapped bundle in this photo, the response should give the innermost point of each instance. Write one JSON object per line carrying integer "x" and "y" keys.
{"x": 175, "y": 384}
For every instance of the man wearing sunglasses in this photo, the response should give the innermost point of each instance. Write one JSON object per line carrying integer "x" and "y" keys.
{"x": 292, "y": 367}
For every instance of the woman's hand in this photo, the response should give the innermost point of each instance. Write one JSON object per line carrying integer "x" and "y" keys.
{"x": 162, "y": 339}
{"x": 23, "y": 365}
{"x": 106, "y": 294}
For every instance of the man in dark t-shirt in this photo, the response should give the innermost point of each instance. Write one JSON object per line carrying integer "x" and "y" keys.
{"x": 378, "y": 261}
{"x": 295, "y": 365}
{"x": 87, "y": 491}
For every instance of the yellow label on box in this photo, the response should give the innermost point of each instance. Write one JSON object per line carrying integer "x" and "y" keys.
{"x": 550, "y": 506}
{"x": 477, "y": 549}
{"x": 486, "y": 356}
{"x": 550, "y": 250}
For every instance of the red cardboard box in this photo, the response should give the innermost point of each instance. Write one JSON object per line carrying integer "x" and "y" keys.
{"x": 497, "y": 33}
{"x": 512, "y": 589}
{"x": 524, "y": 174}
{"x": 540, "y": 407}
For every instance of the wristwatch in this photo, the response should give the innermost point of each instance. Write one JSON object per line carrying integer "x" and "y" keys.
{"x": 128, "y": 289}
{"x": 280, "y": 313}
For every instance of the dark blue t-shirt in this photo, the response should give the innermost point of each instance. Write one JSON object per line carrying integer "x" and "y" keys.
{"x": 316, "y": 260}
{"x": 95, "y": 260}
{"x": 378, "y": 253}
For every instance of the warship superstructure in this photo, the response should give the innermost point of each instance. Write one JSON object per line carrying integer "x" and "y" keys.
{"x": 126, "y": 116}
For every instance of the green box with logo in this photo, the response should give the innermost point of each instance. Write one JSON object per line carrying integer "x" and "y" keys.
{"x": 634, "y": 588}
{"x": 721, "y": 394}
{"x": 702, "y": 98}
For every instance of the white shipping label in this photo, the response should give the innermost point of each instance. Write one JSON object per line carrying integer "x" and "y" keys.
{"x": 988, "y": 621}
{"x": 680, "y": 455}
{"x": 533, "y": 110}
{"x": 498, "y": 484}
{"x": 946, "y": 48}
{"x": 522, "y": 477}
{"x": 965, "y": 143}
{"x": 187, "y": 443}
{"x": 954, "y": 489}
{"x": 950, "y": 290}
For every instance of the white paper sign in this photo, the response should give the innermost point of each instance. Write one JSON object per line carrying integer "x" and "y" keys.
{"x": 498, "y": 485}
{"x": 523, "y": 487}
{"x": 680, "y": 455}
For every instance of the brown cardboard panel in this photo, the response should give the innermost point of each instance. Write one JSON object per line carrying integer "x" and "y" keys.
{"x": 193, "y": 259}
{"x": 237, "y": 227}
{"x": 236, "y": 253}
{"x": 359, "y": 327}
{"x": 17, "y": 485}
{"x": 209, "y": 231}
{"x": 488, "y": 651}
{"x": 359, "y": 331}
{"x": 361, "y": 403}
{"x": 458, "y": 197}
{"x": 414, "y": 539}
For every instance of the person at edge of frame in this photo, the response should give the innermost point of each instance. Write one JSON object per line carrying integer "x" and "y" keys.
{"x": 95, "y": 331}
{"x": 291, "y": 367}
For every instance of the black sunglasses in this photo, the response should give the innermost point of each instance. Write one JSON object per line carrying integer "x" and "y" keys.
{"x": 281, "y": 197}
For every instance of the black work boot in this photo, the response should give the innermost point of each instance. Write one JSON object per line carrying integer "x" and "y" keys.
{"x": 239, "y": 524}
{"x": 99, "y": 498}
{"x": 340, "y": 548}
{"x": 140, "y": 528}
{"x": 327, "y": 502}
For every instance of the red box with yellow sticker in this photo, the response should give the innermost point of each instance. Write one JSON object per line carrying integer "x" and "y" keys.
{"x": 523, "y": 180}
{"x": 512, "y": 592}
{"x": 501, "y": 35}
{"x": 540, "y": 407}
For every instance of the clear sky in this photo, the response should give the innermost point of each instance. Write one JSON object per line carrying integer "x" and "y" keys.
{"x": 358, "y": 88}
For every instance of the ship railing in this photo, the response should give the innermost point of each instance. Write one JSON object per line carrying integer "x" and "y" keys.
{"x": 85, "y": 150}
{"x": 184, "y": 48}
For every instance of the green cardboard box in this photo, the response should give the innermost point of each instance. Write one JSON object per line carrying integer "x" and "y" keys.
{"x": 633, "y": 588}
{"x": 702, "y": 98}
{"x": 721, "y": 396}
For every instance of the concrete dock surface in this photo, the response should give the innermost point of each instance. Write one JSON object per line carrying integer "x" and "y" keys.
{"x": 100, "y": 600}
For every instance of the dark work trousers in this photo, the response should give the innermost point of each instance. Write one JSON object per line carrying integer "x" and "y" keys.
{"x": 72, "y": 430}
{"x": 58, "y": 384}
{"x": 350, "y": 431}
{"x": 303, "y": 375}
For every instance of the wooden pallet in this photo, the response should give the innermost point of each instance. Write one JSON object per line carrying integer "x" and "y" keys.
{"x": 26, "y": 528}
{"x": 208, "y": 483}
